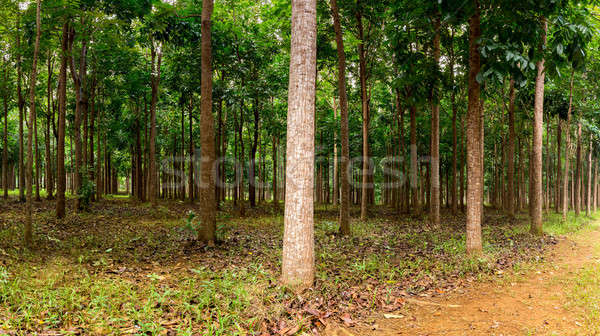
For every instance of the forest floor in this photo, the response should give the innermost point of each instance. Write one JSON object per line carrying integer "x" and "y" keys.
{"x": 557, "y": 297}
{"x": 131, "y": 268}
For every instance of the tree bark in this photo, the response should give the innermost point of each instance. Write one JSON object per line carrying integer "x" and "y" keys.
{"x": 413, "y": 161}
{"x": 434, "y": 194}
{"x": 32, "y": 84}
{"x": 21, "y": 106}
{"x": 510, "y": 199}
{"x": 558, "y": 194}
{"x": 156, "y": 55}
{"x": 453, "y": 186}
{"x": 565, "y": 198}
{"x": 5, "y": 183}
{"x": 588, "y": 206}
{"x": 578, "y": 170}
{"x": 474, "y": 162}
{"x": 298, "y": 261}
{"x": 61, "y": 176}
{"x": 365, "y": 185}
{"x": 538, "y": 130}
{"x": 344, "y": 218}
{"x": 207, "y": 137}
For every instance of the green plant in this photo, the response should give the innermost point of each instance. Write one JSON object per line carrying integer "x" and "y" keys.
{"x": 85, "y": 193}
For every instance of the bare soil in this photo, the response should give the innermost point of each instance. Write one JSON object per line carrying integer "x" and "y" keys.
{"x": 531, "y": 302}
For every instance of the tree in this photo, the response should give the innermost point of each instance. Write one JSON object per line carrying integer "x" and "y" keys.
{"x": 207, "y": 169}
{"x": 474, "y": 127}
{"x": 538, "y": 129}
{"x": 344, "y": 217}
{"x": 32, "y": 118}
{"x": 298, "y": 237}
{"x": 61, "y": 178}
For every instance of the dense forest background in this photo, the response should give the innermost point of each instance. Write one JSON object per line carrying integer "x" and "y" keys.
{"x": 430, "y": 110}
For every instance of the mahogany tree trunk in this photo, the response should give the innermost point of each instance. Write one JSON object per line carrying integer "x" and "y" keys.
{"x": 510, "y": 197}
{"x": 208, "y": 204}
{"x": 30, "y": 134}
{"x": 365, "y": 117}
{"x": 156, "y": 55}
{"x": 61, "y": 177}
{"x": 565, "y": 197}
{"x": 5, "y": 183}
{"x": 588, "y": 204}
{"x": 538, "y": 130}
{"x": 557, "y": 191}
{"x": 434, "y": 194}
{"x": 21, "y": 106}
{"x": 578, "y": 169}
{"x": 298, "y": 261}
{"x": 474, "y": 164}
{"x": 344, "y": 219}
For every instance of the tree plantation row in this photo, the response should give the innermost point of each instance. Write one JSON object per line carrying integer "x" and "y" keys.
{"x": 413, "y": 105}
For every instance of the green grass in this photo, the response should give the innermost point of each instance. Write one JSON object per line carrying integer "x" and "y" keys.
{"x": 124, "y": 267}
{"x": 584, "y": 296}
{"x": 554, "y": 224}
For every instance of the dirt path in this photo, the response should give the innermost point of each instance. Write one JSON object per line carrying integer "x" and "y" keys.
{"x": 528, "y": 304}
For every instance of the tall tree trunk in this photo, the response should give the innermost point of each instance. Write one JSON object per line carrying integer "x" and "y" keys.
{"x": 21, "y": 106}
{"x": 365, "y": 185}
{"x": 344, "y": 218}
{"x": 336, "y": 190}
{"x": 453, "y": 186}
{"x": 49, "y": 180}
{"x": 474, "y": 120}
{"x": 30, "y": 134}
{"x": 79, "y": 84}
{"x": 61, "y": 177}
{"x": 275, "y": 144}
{"x": 565, "y": 198}
{"x": 156, "y": 55}
{"x": 558, "y": 194}
{"x": 434, "y": 207}
{"x": 510, "y": 199}
{"x": 5, "y": 183}
{"x": 252, "y": 168}
{"x": 191, "y": 154}
{"x": 298, "y": 260}
{"x": 588, "y": 204}
{"x": 578, "y": 170}
{"x": 538, "y": 130}
{"x": 413, "y": 161}
{"x": 207, "y": 137}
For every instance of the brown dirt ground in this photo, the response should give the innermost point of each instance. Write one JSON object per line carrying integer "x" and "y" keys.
{"x": 532, "y": 303}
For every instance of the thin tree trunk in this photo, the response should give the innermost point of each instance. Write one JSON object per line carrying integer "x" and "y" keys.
{"x": 558, "y": 194}
{"x": 344, "y": 218}
{"x": 510, "y": 199}
{"x": 5, "y": 178}
{"x": 365, "y": 115}
{"x": 30, "y": 134}
{"x": 434, "y": 207}
{"x": 207, "y": 142}
{"x": 565, "y": 198}
{"x": 60, "y": 151}
{"x": 156, "y": 55}
{"x": 474, "y": 164}
{"x": 578, "y": 170}
{"x": 336, "y": 191}
{"x": 538, "y": 124}
{"x": 413, "y": 161}
{"x": 588, "y": 207}
{"x": 275, "y": 163}
{"x": 298, "y": 269}
{"x": 21, "y": 106}
{"x": 453, "y": 186}
{"x": 192, "y": 155}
